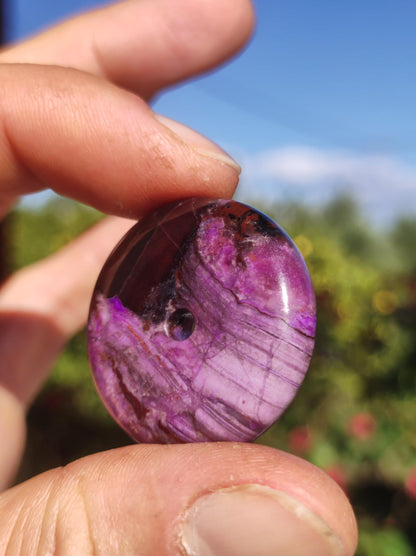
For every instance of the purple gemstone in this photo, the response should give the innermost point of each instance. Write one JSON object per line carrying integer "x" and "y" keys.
{"x": 202, "y": 324}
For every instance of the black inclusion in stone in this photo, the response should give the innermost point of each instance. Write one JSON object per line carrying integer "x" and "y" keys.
{"x": 141, "y": 271}
{"x": 180, "y": 324}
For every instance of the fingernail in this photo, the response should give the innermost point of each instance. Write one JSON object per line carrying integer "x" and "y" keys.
{"x": 200, "y": 143}
{"x": 250, "y": 520}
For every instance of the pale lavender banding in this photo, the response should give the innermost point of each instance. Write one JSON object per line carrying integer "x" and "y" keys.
{"x": 254, "y": 311}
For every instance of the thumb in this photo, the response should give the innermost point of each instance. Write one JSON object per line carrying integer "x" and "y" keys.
{"x": 201, "y": 499}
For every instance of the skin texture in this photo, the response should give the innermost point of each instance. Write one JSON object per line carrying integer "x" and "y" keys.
{"x": 74, "y": 118}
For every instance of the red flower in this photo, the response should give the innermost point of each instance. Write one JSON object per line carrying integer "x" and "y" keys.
{"x": 337, "y": 473}
{"x": 300, "y": 440}
{"x": 410, "y": 484}
{"x": 362, "y": 426}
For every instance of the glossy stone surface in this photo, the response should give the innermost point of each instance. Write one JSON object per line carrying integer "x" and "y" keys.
{"x": 202, "y": 324}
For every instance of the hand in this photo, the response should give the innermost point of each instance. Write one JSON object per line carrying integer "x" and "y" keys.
{"x": 73, "y": 119}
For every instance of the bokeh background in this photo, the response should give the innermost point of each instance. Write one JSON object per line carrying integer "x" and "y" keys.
{"x": 319, "y": 110}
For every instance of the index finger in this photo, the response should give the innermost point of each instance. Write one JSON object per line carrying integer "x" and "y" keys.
{"x": 98, "y": 144}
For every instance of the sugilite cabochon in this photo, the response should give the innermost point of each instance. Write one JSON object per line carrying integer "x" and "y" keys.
{"x": 201, "y": 324}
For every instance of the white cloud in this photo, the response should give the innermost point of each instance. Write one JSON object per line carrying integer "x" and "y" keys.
{"x": 383, "y": 184}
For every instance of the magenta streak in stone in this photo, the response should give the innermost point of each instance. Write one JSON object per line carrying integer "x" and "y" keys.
{"x": 254, "y": 312}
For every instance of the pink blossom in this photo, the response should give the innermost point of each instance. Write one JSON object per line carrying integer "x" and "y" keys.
{"x": 300, "y": 439}
{"x": 410, "y": 483}
{"x": 337, "y": 473}
{"x": 362, "y": 426}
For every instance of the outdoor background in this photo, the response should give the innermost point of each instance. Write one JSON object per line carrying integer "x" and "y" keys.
{"x": 319, "y": 111}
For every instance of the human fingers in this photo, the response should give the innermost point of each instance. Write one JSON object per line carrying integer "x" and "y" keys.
{"x": 91, "y": 141}
{"x": 202, "y": 499}
{"x": 41, "y": 306}
{"x": 143, "y": 45}
{"x": 44, "y": 304}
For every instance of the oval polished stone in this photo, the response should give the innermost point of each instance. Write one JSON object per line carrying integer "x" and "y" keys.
{"x": 202, "y": 324}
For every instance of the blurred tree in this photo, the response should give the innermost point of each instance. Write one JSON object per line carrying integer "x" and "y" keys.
{"x": 404, "y": 240}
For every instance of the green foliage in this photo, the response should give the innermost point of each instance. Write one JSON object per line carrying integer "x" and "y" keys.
{"x": 388, "y": 542}
{"x": 355, "y": 414}
{"x": 34, "y": 234}
{"x": 404, "y": 237}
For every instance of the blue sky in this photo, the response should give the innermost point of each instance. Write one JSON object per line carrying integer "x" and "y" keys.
{"x": 322, "y": 100}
